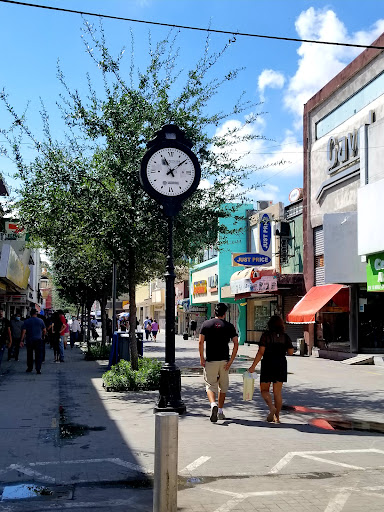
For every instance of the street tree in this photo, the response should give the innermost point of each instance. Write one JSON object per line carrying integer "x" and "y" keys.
{"x": 95, "y": 168}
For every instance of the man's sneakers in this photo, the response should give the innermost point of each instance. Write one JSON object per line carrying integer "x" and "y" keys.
{"x": 214, "y": 410}
{"x": 221, "y": 416}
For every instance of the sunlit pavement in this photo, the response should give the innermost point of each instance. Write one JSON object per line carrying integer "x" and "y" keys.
{"x": 62, "y": 430}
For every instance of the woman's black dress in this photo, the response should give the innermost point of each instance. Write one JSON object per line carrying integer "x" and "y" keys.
{"x": 274, "y": 362}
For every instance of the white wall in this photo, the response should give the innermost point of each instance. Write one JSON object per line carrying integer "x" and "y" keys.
{"x": 341, "y": 261}
{"x": 370, "y": 218}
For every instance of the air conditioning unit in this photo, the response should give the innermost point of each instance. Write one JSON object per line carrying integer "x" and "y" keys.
{"x": 262, "y": 205}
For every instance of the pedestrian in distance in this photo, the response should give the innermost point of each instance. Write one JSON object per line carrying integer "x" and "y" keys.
{"x": 5, "y": 334}
{"x": 33, "y": 332}
{"x": 39, "y": 315}
{"x": 74, "y": 331}
{"x": 274, "y": 344}
{"x": 56, "y": 328}
{"x": 154, "y": 329}
{"x": 109, "y": 329}
{"x": 193, "y": 326}
{"x": 216, "y": 333}
{"x": 62, "y": 335}
{"x": 147, "y": 324}
{"x": 16, "y": 328}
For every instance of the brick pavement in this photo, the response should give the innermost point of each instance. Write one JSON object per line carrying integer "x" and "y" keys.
{"x": 237, "y": 455}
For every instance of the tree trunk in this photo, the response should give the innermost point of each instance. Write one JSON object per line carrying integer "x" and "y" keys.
{"x": 132, "y": 311}
{"x": 88, "y": 317}
{"x": 103, "y": 304}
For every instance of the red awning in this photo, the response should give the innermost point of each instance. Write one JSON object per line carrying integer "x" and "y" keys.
{"x": 305, "y": 310}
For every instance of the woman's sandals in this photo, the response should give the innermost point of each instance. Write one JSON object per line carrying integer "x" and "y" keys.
{"x": 271, "y": 418}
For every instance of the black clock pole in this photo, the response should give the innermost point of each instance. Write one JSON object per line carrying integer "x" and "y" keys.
{"x": 164, "y": 178}
{"x": 170, "y": 379}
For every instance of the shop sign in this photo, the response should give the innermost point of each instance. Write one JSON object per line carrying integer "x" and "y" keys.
{"x": 248, "y": 259}
{"x": 200, "y": 287}
{"x": 340, "y": 150}
{"x": 213, "y": 282}
{"x": 375, "y": 272}
{"x": 295, "y": 195}
{"x": 255, "y": 284}
{"x": 12, "y": 268}
{"x": 265, "y": 232}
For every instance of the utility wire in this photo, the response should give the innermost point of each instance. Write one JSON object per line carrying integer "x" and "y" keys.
{"x": 234, "y": 34}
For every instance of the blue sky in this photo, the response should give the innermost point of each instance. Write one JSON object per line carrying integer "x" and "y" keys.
{"x": 283, "y": 75}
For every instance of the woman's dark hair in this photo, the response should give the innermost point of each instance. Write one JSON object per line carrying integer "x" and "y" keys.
{"x": 220, "y": 309}
{"x": 276, "y": 324}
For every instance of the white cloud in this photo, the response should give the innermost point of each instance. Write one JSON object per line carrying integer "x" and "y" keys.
{"x": 267, "y": 192}
{"x": 270, "y": 78}
{"x": 204, "y": 184}
{"x": 318, "y": 64}
{"x": 266, "y": 154}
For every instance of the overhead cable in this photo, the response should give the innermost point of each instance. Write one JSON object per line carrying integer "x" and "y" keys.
{"x": 233, "y": 34}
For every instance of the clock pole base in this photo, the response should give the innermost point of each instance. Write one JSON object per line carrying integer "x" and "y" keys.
{"x": 170, "y": 391}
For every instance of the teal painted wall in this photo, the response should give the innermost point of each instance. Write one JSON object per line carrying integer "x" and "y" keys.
{"x": 234, "y": 243}
{"x": 227, "y": 245}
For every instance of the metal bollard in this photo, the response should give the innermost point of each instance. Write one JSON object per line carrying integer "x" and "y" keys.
{"x": 166, "y": 454}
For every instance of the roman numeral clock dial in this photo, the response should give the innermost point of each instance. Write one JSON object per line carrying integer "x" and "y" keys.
{"x": 170, "y": 171}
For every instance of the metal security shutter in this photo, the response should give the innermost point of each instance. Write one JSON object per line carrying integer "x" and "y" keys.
{"x": 294, "y": 331}
{"x": 318, "y": 243}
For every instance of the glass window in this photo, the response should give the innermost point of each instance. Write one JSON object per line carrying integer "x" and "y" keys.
{"x": 354, "y": 104}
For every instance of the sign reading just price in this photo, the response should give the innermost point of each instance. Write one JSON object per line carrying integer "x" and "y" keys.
{"x": 248, "y": 259}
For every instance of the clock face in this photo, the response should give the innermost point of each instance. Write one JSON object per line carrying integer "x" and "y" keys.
{"x": 170, "y": 171}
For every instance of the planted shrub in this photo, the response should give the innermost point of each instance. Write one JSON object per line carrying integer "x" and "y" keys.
{"x": 121, "y": 377}
{"x": 98, "y": 351}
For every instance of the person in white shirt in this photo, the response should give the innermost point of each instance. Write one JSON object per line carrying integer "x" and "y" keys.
{"x": 75, "y": 329}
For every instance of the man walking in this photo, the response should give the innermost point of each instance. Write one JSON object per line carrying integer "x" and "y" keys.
{"x": 16, "y": 328}
{"x": 5, "y": 334}
{"x": 33, "y": 331}
{"x": 75, "y": 329}
{"x": 147, "y": 328}
{"x": 217, "y": 333}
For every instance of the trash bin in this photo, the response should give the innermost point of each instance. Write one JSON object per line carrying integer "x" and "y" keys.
{"x": 185, "y": 336}
{"x": 124, "y": 352}
{"x": 301, "y": 346}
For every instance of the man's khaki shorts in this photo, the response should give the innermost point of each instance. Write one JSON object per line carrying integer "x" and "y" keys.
{"x": 216, "y": 377}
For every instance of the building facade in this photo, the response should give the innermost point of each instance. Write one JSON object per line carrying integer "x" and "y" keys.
{"x": 272, "y": 282}
{"x": 343, "y": 176}
{"x": 210, "y": 280}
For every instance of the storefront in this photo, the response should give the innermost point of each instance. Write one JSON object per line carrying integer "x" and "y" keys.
{"x": 343, "y": 206}
{"x": 265, "y": 293}
{"x": 204, "y": 294}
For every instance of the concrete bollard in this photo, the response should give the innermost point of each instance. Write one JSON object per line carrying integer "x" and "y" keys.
{"x": 166, "y": 454}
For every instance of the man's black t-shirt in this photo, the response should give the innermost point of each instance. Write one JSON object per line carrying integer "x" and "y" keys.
{"x": 218, "y": 334}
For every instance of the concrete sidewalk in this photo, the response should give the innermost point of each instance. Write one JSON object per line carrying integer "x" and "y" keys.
{"x": 63, "y": 430}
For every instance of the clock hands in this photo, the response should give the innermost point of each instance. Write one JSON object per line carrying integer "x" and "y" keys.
{"x": 167, "y": 164}
{"x": 178, "y": 165}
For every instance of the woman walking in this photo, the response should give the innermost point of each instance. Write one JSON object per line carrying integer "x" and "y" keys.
{"x": 273, "y": 347}
{"x": 155, "y": 329}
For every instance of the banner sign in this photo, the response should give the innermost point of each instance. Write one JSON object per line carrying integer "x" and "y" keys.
{"x": 375, "y": 272}
{"x": 199, "y": 287}
{"x": 253, "y": 282}
{"x": 249, "y": 259}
